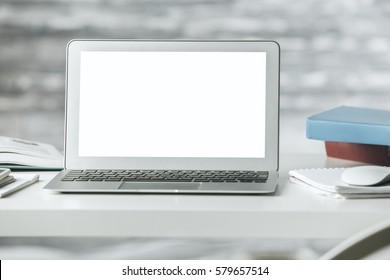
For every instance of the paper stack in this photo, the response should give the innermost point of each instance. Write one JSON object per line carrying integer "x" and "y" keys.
{"x": 327, "y": 181}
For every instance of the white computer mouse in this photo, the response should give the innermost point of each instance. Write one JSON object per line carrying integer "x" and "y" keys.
{"x": 366, "y": 175}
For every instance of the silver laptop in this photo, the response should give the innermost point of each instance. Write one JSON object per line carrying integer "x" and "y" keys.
{"x": 171, "y": 117}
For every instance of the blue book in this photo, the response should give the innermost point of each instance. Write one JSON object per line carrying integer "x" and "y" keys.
{"x": 351, "y": 125}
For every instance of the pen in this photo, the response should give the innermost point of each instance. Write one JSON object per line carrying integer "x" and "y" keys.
{"x": 22, "y": 181}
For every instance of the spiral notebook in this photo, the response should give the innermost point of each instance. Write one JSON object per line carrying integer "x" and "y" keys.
{"x": 327, "y": 181}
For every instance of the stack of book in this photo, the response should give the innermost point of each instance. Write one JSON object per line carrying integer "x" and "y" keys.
{"x": 10, "y": 183}
{"x": 20, "y": 154}
{"x": 353, "y": 133}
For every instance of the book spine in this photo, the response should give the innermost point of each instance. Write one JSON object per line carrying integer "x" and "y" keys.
{"x": 348, "y": 132}
{"x": 366, "y": 153}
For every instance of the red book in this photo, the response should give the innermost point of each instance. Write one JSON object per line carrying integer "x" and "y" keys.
{"x": 372, "y": 154}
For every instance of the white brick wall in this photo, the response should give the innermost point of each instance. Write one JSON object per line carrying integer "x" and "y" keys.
{"x": 333, "y": 52}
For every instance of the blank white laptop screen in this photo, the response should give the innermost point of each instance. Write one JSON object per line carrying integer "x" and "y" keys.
{"x": 172, "y": 104}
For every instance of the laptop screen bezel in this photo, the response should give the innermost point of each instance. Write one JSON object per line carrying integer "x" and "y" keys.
{"x": 74, "y": 161}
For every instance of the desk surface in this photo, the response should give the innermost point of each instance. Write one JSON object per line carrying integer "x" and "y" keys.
{"x": 293, "y": 212}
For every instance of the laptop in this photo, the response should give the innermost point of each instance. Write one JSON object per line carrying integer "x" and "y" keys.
{"x": 199, "y": 117}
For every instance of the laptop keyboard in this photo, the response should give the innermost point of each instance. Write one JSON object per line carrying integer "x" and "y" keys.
{"x": 167, "y": 176}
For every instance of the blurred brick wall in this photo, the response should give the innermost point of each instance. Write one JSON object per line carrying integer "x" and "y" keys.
{"x": 333, "y": 52}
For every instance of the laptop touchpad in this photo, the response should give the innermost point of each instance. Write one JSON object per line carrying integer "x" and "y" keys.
{"x": 159, "y": 186}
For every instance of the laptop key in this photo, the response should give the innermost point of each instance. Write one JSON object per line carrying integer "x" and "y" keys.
{"x": 260, "y": 181}
{"x": 75, "y": 172}
{"x": 246, "y": 181}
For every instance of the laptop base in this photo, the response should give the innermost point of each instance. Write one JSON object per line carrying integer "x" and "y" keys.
{"x": 160, "y": 187}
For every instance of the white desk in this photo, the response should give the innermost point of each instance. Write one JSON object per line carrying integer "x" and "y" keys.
{"x": 293, "y": 212}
